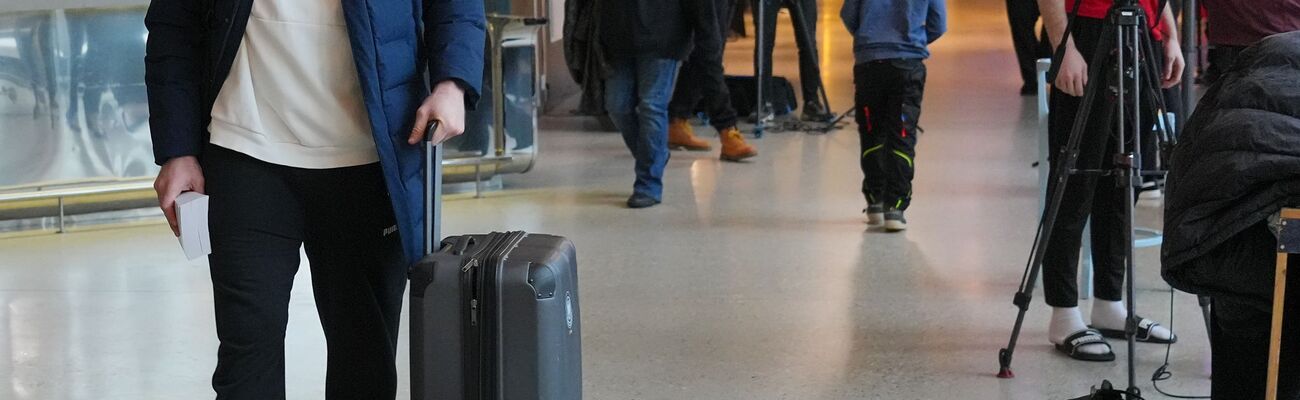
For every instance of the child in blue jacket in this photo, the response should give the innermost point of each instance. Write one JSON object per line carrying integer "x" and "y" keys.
{"x": 889, "y": 45}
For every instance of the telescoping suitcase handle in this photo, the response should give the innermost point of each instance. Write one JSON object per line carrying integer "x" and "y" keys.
{"x": 432, "y": 189}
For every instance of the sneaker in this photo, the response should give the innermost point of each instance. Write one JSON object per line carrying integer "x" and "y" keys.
{"x": 682, "y": 136}
{"x": 875, "y": 214}
{"x": 641, "y": 201}
{"x": 894, "y": 221}
{"x": 813, "y": 112}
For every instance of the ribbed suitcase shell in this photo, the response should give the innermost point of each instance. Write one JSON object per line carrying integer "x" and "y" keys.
{"x": 528, "y": 307}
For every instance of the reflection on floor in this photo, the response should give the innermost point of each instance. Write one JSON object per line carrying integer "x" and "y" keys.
{"x": 751, "y": 281}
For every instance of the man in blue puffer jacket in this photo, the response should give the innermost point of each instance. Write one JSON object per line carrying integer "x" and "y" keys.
{"x": 301, "y": 119}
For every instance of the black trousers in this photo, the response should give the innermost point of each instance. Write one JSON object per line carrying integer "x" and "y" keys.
{"x": 701, "y": 82}
{"x": 809, "y": 71}
{"x": 887, "y": 95}
{"x": 1088, "y": 196}
{"x": 1023, "y": 16}
{"x": 260, "y": 215}
{"x": 1239, "y": 341}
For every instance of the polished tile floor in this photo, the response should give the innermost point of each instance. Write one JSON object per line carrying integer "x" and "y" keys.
{"x": 752, "y": 281}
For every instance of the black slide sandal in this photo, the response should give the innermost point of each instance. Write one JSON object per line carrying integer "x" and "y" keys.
{"x": 1084, "y": 338}
{"x": 1143, "y": 332}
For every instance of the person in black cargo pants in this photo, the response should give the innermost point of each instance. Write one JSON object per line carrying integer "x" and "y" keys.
{"x": 889, "y": 80}
{"x": 888, "y": 98}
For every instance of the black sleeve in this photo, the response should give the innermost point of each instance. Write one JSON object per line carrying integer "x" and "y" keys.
{"x": 173, "y": 65}
{"x": 702, "y": 17}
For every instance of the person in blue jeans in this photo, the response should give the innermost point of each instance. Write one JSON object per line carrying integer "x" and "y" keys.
{"x": 643, "y": 43}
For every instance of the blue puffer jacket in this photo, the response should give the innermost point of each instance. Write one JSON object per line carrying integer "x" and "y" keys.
{"x": 192, "y": 45}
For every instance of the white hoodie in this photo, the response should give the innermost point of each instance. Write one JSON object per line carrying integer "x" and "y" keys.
{"x": 292, "y": 96}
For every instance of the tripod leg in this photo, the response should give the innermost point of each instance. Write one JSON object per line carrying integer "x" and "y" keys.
{"x": 1068, "y": 158}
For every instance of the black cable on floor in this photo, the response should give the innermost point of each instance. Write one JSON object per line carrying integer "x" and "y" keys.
{"x": 1163, "y": 373}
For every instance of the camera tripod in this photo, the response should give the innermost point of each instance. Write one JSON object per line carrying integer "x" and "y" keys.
{"x": 1121, "y": 65}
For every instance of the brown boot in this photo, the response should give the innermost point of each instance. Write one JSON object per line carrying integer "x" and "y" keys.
{"x": 734, "y": 147}
{"x": 681, "y": 135}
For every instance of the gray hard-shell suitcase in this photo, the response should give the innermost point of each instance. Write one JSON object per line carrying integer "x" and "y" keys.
{"x": 495, "y": 316}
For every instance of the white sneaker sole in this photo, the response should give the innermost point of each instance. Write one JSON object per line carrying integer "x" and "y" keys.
{"x": 875, "y": 218}
{"x": 895, "y": 226}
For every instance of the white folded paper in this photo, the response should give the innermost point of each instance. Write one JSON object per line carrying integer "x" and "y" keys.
{"x": 192, "y": 217}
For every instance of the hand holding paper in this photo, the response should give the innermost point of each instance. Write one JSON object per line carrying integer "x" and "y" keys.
{"x": 192, "y": 221}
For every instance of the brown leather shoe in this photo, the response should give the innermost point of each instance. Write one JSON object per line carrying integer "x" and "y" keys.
{"x": 682, "y": 136}
{"x": 734, "y": 147}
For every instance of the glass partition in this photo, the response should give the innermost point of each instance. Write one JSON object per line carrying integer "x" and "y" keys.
{"x": 73, "y": 106}
{"x": 72, "y": 98}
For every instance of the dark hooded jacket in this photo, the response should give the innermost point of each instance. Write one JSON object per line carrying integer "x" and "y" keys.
{"x": 582, "y": 54}
{"x": 657, "y": 28}
{"x": 1237, "y": 163}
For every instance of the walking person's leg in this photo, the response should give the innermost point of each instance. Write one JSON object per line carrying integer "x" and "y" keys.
{"x": 717, "y": 99}
{"x": 358, "y": 276}
{"x": 710, "y": 79}
{"x": 868, "y": 96}
{"x": 655, "y": 79}
{"x": 902, "y": 142}
{"x": 621, "y": 99}
{"x": 686, "y": 97}
{"x": 256, "y": 227}
{"x": 688, "y": 93}
{"x": 727, "y": 10}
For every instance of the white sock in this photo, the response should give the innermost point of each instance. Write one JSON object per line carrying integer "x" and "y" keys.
{"x": 1112, "y": 315}
{"x": 1067, "y": 321}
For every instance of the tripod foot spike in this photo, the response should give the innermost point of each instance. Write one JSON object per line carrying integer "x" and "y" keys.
{"x": 1005, "y": 373}
{"x": 1004, "y": 364}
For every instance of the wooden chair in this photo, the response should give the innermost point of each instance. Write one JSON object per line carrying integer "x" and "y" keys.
{"x": 1288, "y": 243}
